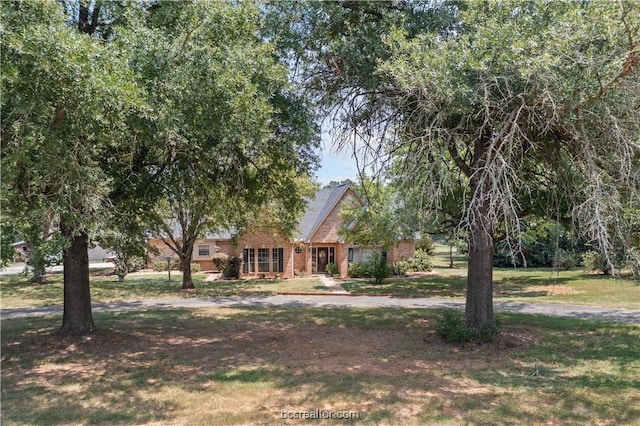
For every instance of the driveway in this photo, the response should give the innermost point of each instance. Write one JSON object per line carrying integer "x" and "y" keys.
{"x": 571, "y": 311}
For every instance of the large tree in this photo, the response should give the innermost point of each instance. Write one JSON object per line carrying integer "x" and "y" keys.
{"x": 67, "y": 102}
{"x": 502, "y": 97}
{"x": 236, "y": 136}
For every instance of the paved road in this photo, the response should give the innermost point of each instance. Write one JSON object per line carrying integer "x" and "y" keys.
{"x": 573, "y": 311}
{"x": 18, "y": 269}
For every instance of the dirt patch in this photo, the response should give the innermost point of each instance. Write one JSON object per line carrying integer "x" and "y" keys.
{"x": 304, "y": 347}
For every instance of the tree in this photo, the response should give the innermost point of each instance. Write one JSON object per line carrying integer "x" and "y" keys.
{"x": 67, "y": 102}
{"x": 501, "y": 96}
{"x": 377, "y": 217}
{"x": 236, "y": 134}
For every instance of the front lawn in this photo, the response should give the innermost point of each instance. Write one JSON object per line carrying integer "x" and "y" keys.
{"x": 249, "y": 366}
{"x": 17, "y": 291}
{"x": 518, "y": 285}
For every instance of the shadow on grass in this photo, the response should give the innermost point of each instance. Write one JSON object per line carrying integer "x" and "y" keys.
{"x": 143, "y": 365}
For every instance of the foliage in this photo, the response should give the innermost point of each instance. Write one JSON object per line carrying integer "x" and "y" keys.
{"x": 376, "y": 267}
{"x": 485, "y": 101}
{"x": 220, "y": 261}
{"x": 426, "y": 244}
{"x": 401, "y": 268}
{"x": 332, "y": 269}
{"x": 237, "y": 136}
{"x": 451, "y": 327}
{"x": 594, "y": 261}
{"x": 159, "y": 266}
{"x": 421, "y": 261}
{"x": 542, "y": 243}
{"x": 232, "y": 270}
{"x": 380, "y": 221}
{"x": 124, "y": 236}
{"x": 8, "y": 236}
{"x": 380, "y": 268}
{"x": 359, "y": 270}
{"x": 196, "y": 267}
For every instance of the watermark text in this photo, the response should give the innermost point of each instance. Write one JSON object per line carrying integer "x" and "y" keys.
{"x": 319, "y": 415}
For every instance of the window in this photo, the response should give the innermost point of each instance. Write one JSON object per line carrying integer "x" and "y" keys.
{"x": 249, "y": 259}
{"x": 263, "y": 260}
{"x": 277, "y": 257}
{"x": 332, "y": 255}
{"x": 350, "y": 259}
{"x": 314, "y": 254}
{"x": 203, "y": 250}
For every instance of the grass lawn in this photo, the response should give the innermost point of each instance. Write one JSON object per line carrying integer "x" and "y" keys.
{"x": 247, "y": 366}
{"x": 17, "y": 291}
{"x": 521, "y": 285}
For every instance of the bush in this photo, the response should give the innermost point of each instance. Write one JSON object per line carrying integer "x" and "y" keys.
{"x": 159, "y": 266}
{"x": 452, "y": 328}
{"x": 220, "y": 261}
{"x": 332, "y": 269}
{"x": 359, "y": 270}
{"x": 379, "y": 267}
{"x": 421, "y": 261}
{"x": 401, "y": 267}
{"x": 196, "y": 267}
{"x": 565, "y": 259}
{"x": 594, "y": 261}
{"x": 426, "y": 244}
{"x": 232, "y": 270}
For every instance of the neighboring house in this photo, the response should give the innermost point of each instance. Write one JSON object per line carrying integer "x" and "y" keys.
{"x": 269, "y": 252}
{"x": 95, "y": 253}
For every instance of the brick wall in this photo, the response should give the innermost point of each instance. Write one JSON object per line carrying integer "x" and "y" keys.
{"x": 403, "y": 250}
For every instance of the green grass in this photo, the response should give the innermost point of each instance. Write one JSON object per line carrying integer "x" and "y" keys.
{"x": 518, "y": 285}
{"x": 244, "y": 366}
{"x": 17, "y": 291}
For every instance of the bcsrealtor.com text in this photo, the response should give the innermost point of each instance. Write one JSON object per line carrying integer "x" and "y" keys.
{"x": 319, "y": 414}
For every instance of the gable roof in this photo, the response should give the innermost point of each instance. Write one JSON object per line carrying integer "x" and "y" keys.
{"x": 318, "y": 208}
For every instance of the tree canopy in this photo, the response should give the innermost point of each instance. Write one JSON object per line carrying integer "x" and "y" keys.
{"x": 507, "y": 101}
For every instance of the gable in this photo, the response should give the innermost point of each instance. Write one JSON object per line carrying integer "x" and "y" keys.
{"x": 329, "y": 224}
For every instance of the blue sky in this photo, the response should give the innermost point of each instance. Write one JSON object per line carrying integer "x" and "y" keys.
{"x": 335, "y": 165}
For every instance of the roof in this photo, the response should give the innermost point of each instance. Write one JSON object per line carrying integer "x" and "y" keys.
{"x": 318, "y": 208}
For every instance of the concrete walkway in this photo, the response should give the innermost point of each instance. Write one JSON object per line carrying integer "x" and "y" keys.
{"x": 571, "y": 311}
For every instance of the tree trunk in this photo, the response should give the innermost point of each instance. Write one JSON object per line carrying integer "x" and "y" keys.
{"x": 479, "y": 305}
{"x": 77, "y": 319}
{"x": 185, "y": 257}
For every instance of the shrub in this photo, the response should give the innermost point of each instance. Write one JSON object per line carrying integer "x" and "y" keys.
{"x": 565, "y": 259}
{"x": 426, "y": 244}
{"x": 401, "y": 267}
{"x": 332, "y": 269}
{"x": 421, "y": 261}
{"x": 594, "y": 261}
{"x": 452, "y": 328}
{"x": 359, "y": 270}
{"x": 159, "y": 266}
{"x": 196, "y": 267}
{"x": 132, "y": 264}
{"x": 220, "y": 261}
{"x": 379, "y": 267}
{"x": 232, "y": 270}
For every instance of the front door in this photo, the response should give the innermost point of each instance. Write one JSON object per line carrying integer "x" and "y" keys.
{"x": 323, "y": 256}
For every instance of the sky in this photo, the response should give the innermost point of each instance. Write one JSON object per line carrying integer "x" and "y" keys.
{"x": 334, "y": 165}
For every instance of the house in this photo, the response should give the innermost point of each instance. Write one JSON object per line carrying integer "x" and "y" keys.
{"x": 269, "y": 252}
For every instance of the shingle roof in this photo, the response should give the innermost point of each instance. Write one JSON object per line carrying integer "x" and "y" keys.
{"x": 318, "y": 209}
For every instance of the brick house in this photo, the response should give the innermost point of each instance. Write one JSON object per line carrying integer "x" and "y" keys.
{"x": 269, "y": 252}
